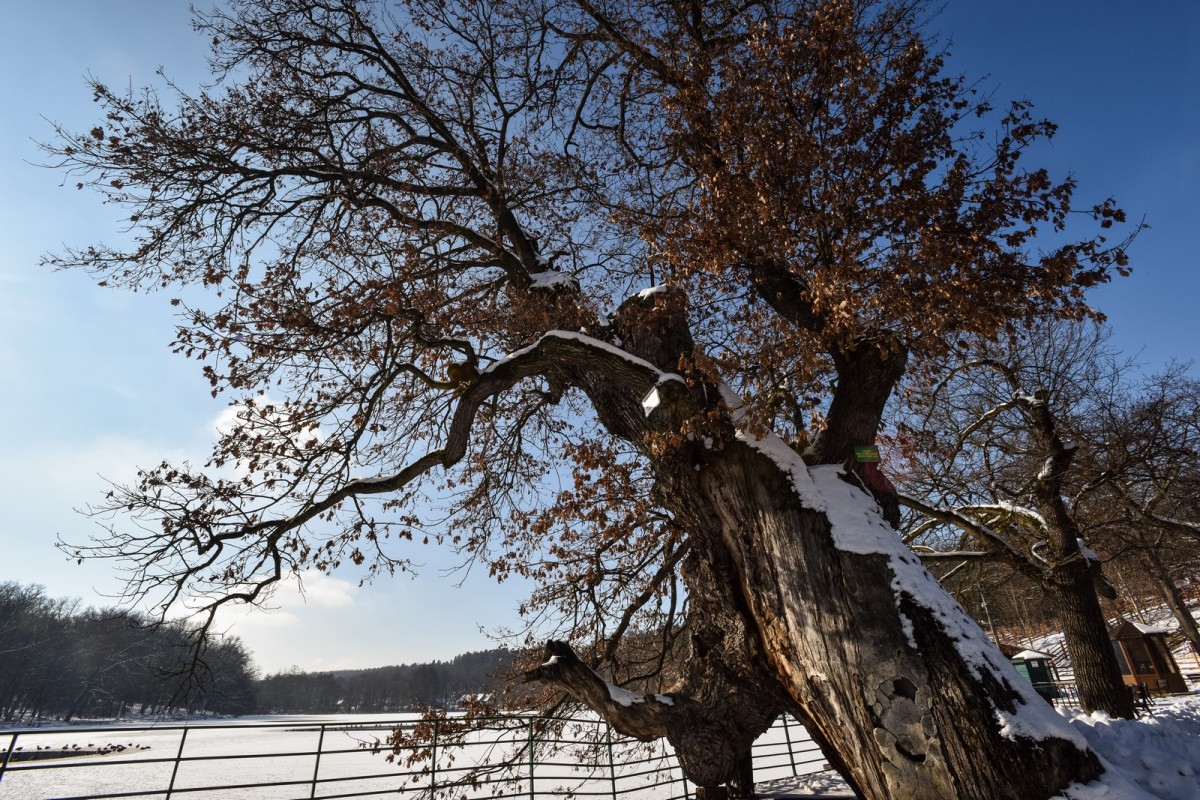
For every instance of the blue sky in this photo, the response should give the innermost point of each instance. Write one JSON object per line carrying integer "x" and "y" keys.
{"x": 88, "y": 386}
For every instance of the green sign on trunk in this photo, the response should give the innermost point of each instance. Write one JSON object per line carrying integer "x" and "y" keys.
{"x": 866, "y": 452}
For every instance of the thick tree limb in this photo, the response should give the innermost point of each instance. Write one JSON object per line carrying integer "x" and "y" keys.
{"x": 644, "y": 717}
{"x": 615, "y": 381}
{"x": 929, "y": 554}
{"x": 995, "y": 543}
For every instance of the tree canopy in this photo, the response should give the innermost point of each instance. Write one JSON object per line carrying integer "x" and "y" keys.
{"x": 511, "y": 276}
{"x": 378, "y": 194}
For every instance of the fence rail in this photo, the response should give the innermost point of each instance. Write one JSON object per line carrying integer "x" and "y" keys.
{"x": 331, "y": 758}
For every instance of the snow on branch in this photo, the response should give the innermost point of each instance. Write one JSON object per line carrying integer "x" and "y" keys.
{"x": 556, "y": 352}
{"x": 1019, "y": 513}
{"x": 998, "y": 543}
{"x": 185, "y": 546}
{"x": 928, "y": 553}
{"x": 984, "y": 418}
{"x": 641, "y": 716}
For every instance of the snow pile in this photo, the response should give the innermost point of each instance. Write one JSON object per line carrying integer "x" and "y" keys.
{"x": 626, "y": 698}
{"x": 552, "y": 278}
{"x": 1155, "y": 757}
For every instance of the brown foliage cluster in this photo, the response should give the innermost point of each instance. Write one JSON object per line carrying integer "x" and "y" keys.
{"x": 845, "y": 185}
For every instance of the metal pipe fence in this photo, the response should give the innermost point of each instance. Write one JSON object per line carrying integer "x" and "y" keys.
{"x": 329, "y": 758}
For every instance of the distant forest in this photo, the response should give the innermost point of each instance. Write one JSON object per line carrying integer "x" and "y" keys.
{"x": 59, "y": 660}
{"x": 407, "y": 687}
{"x": 62, "y": 661}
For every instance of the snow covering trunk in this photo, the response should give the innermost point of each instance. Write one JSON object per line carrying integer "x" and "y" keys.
{"x": 801, "y": 598}
{"x": 892, "y": 675}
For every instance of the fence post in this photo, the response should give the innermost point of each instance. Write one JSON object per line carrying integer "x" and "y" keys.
{"x": 12, "y": 744}
{"x": 612, "y": 764}
{"x": 317, "y": 766}
{"x": 178, "y": 758}
{"x": 433, "y": 761}
{"x": 531, "y": 759}
{"x": 787, "y": 735}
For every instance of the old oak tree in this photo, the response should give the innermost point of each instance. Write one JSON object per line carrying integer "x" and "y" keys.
{"x": 673, "y": 256}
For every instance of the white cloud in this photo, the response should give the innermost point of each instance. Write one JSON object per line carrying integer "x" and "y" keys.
{"x": 252, "y": 621}
{"x": 319, "y": 590}
{"x": 239, "y": 413}
{"x": 312, "y": 620}
{"x": 294, "y": 601}
{"x": 224, "y": 422}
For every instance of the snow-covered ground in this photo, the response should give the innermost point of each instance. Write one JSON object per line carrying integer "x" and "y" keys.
{"x": 1159, "y": 752}
{"x": 276, "y": 758}
{"x": 1156, "y": 757}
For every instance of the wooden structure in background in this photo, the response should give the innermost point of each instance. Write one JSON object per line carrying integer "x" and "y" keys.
{"x": 1145, "y": 658}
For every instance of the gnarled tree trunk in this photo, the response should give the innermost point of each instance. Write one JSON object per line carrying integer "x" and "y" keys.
{"x": 890, "y": 673}
{"x": 809, "y": 599}
{"x": 894, "y": 680}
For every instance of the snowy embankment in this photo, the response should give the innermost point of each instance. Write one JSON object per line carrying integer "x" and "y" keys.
{"x": 1159, "y": 752}
{"x": 1155, "y": 757}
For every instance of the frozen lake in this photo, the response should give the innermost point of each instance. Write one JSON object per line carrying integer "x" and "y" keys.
{"x": 280, "y": 758}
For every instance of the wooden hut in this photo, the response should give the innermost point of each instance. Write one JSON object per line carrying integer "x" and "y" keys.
{"x": 1144, "y": 658}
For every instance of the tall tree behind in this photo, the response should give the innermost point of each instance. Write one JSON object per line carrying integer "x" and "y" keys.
{"x": 420, "y": 228}
{"x": 994, "y": 453}
{"x": 1130, "y": 442}
{"x": 1147, "y": 466}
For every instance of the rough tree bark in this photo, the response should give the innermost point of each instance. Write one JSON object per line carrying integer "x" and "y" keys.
{"x": 1174, "y": 599}
{"x": 1085, "y": 634}
{"x": 866, "y": 375}
{"x": 893, "y": 679}
{"x": 1071, "y": 576}
{"x": 907, "y": 708}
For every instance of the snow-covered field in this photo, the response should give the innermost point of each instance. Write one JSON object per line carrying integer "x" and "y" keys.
{"x": 243, "y": 758}
{"x": 1156, "y": 757}
{"x": 1159, "y": 752}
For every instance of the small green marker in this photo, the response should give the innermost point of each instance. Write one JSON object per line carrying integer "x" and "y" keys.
{"x": 866, "y": 453}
